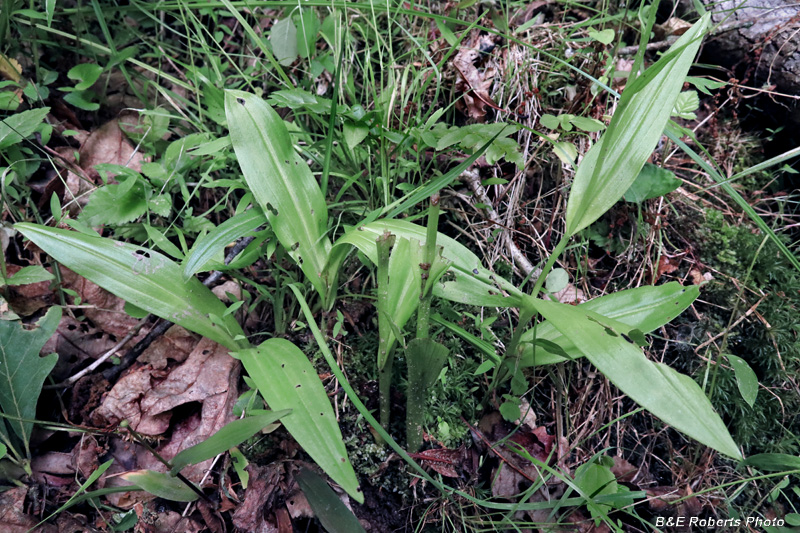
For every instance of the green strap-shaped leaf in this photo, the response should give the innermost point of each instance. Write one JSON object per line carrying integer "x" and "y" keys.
{"x": 215, "y": 240}
{"x": 161, "y": 485}
{"x": 287, "y": 380}
{"x": 22, "y": 371}
{"x": 643, "y": 308}
{"x": 232, "y": 434}
{"x": 471, "y": 284}
{"x": 281, "y": 183}
{"x": 612, "y": 164}
{"x": 673, "y": 397}
{"x": 143, "y": 277}
{"x": 334, "y": 515}
{"x": 425, "y": 358}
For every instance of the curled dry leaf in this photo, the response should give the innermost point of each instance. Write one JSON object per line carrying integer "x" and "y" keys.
{"x": 474, "y": 83}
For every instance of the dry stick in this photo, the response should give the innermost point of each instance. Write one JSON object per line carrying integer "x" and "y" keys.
{"x": 159, "y": 329}
{"x": 472, "y": 178}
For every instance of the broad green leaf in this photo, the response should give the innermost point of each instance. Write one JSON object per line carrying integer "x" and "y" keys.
{"x": 20, "y": 126}
{"x": 472, "y": 284}
{"x": 673, "y": 397}
{"x": 354, "y": 133}
{"x": 82, "y": 100}
{"x": 595, "y": 480}
{"x": 85, "y": 74}
{"x": 746, "y": 379}
{"x": 232, "y": 434}
{"x": 161, "y": 485}
{"x": 425, "y": 359}
{"x": 550, "y": 121}
{"x": 240, "y": 464}
{"x": 307, "y": 32}
{"x": 773, "y": 462}
{"x": 283, "y": 36}
{"x": 644, "y": 308}
{"x": 116, "y": 204}
{"x": 216, "y": 240}
{"x": 612, "y": 164}
{"x": 143, "y": 277}
{"x": 588, "y": 124}
{"x": 566, "y": 152}
{"x": 30, "y": 274}
{"x": 334, "y": 515}
{"x": 686, "y": 104}
{"x": 281, "y": 183}
{"x": 22, "y": 371}
{"x": 557, "y": 280}
{"x": 605, "y": 36}
{"x": 652, "y": 182}
{"x": 287, "y": 380}
{"x": 3, "y": 450}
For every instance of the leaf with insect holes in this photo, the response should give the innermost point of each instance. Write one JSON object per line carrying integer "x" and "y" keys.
{"x": 23, "y": 371}
{"x": 287, "y": 380}
{"x": 282, "y": 184}
{"x": 143, "y": 277}
{"x": 612, "y": 164}
{"x": 643, "y": 308}
{"x": 673, "y": 397}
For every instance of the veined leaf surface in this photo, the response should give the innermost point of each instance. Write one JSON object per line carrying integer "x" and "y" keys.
{"x": 612, "y": 164}
{"x": 644, "y": 308}
{"x": 471, "y": 283}
{"x": 143, "y": 277}
{"x": 287, "y": 380}
{"x": 281, "y": 183}
{"x": 671, "y": 396}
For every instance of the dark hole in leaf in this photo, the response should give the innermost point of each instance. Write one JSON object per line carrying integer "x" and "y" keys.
{"x": 286, "y": 161}
{"x": 272, "y": 209}
{"x": 205, "y": 352}
{"x": 283, "y": 365}
{"x": 297, "y": 386}
{"x": 142, "y": 253}
{"x": 240, "y": 100}
{"x": 627, "y": 338}
{"x": 474, "y": 270}
{"x": 295, "y": 246}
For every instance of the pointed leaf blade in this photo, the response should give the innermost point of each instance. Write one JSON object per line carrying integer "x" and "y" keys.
{"x": 143, "y": 277}
{"x": 673, "y": 397}
{"x": 22, "y": 371}
{"x": 287, "y": 380}
{"x": 281, "y": 182}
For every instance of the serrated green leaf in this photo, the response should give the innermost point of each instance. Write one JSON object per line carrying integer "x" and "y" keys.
{"x": 22, "y": 371}
{"x": 612, "y": 164}
{"x": 20, "y": 126}
{"x": 644, "y": 308}
{"x": 216, "y": 240}
{"x": 652, "y": 182}
{"x": 30, "y": 274}
{"x": 673, "y": 397}
{"x": 231, "y": 434}
{"x": 161, "y": 485}
{"x": 287, "y": 380}
{"x": 334, "y": 515}
{"x": 116, "y": 204}
{"x": 282, "y": 184}
{"x": 144, "y": 277}
{"x": 283, "y": 36}
{"x": 746, "y": 379}
{"x": 687, "y": 102}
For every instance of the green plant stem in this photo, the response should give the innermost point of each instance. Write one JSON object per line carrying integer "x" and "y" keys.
{"x": 426, "y": 295}
{"x": 385, "y": 350}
